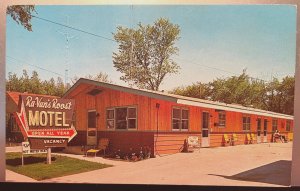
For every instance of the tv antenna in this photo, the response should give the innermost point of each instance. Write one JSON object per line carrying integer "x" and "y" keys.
{"x": 68, "y": 38}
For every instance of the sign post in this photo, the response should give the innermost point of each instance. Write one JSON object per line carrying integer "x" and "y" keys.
{"x": 49, "y": 155}
{"x": 22, "y": 159}
{"x": 46, "y": 122}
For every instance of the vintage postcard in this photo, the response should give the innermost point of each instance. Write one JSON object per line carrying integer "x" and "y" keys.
{"x": 169, "y": 94}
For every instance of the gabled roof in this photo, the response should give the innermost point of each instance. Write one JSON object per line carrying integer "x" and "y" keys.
{"x": 16, "y": 95}
{"x": 180, "y": 99}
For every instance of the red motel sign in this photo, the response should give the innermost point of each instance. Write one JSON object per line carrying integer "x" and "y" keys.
{"x": 47, "y": 118}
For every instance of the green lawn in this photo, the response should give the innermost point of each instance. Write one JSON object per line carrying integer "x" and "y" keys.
{"x": 36, "y": 167}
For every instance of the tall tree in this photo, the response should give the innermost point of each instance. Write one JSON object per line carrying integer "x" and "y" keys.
{"x": 60, "y": 87}
{"x": 33, "y": 84}
{"x": 235, "y": 89}
{"x": 21, "y": 14}
{"x": 144, "y": 56}
{"x": 280, "y": 95}
{"x": 276, "y": 96}
{"x": 196, "y": 90}
{"x": 12, "y": 82}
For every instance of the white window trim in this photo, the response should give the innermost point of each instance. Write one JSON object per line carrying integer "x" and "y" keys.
{"x": 246, "y": 130}
{"x": 221, "y": 126}
{"x": 180, "y": 119}
{"x": 127, "y": 119}
{"x": 113, "y": 119}
{"x": 136, "y": 119}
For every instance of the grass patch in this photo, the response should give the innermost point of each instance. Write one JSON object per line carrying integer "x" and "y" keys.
{"x": 36, "y": 167}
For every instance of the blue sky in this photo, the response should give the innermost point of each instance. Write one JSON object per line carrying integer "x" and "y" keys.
{"x": 261, "y": 38}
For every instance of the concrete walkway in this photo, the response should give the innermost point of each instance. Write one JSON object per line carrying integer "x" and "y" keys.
{"x": 243, "y": 165}
{"x": 15, "y": 177}
{"x": 95, "y": 159}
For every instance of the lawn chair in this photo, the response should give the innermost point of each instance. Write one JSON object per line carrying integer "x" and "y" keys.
{"x": 103, "y": 144}
{"x": 253, "y": 137}
{"x": 234, "y": 139}
{"x": 193, "y": 143}
{"x": 227, "y": 140}
{"x": 249, "y": 140}
{"x": 290, "y": 136}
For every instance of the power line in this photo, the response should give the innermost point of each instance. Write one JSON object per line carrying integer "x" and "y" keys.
{"x": 178, "y": 59}
{"x": 99, "y": 36}
{"x": 47, "y": 70}
{"x": 73, "y": 28}
{"x": 21, "y": 61}
{"x": 207, "y": 66}
{"x": 222, "y": 70}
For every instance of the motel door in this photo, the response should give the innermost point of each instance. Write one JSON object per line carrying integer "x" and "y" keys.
{"x": 265, "y": 131}
{"x": 205, "y": 130}
{"x": 259, "y": 133}
{"x": 92, "y": 128}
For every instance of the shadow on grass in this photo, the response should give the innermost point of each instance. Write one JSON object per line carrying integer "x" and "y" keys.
{"x": 278, "y": 173}
{"x": 27, "y": 160}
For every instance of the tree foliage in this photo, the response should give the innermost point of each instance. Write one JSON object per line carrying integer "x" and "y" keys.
{"x": 280, "y": 95}
{"x": 276, "y": 96}
{"x": 21, "y": 14}
{"x": 237, "y": 89}
{"x": 100, "y": 77}
{"x": 196, "y": 90}
{"x": 33, "y": 84}
{"x": 144, "y": 54}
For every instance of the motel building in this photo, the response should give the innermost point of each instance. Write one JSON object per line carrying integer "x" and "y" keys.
{"x": 132, "y": 119}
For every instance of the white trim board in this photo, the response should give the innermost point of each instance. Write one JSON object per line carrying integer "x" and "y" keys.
{"x": 232, "y": 108}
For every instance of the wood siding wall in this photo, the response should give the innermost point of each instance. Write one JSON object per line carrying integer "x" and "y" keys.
{"x": 12, "y": 107}
{"x": 128, "y": 141}
{"x": 167, "y": 141}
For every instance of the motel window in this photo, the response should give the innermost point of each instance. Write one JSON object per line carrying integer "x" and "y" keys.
{"x": 222, "y": 119}
{"x": 274, "y": 125}
{"x": 123, "y": 118}
{"x": 131, "y": 118}
{"x": 246, "y": 123}
{"x": 74, "y": 119}
{"x": 288, "y": 125}
{"x": 13, "y": 124}
{"x": 176, "y": 119}
{"x": 180, "y": 119}
{"x": 110, "y": 118}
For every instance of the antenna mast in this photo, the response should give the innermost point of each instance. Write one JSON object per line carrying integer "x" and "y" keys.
{"x": 68, "y": 37}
